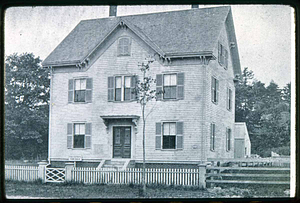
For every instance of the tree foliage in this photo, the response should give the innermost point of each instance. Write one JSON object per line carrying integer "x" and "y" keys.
{"x": 266, "y": 111}
{"x": 26, "y": 107}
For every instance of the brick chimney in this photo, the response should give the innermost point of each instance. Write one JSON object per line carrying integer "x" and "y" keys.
{"x": 195, "y": 6}
{"x": 112, "y": 10}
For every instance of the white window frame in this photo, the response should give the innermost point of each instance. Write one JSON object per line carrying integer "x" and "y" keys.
{"x": 84, "y": 144}
{"x": 74, "y": 89}
{"x": 163, "y": 86}
{"x": 123, "y": 86}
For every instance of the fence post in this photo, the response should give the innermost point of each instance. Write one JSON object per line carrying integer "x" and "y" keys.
{"x": 42, "y": 169}
{"x": 202, "y": 173}
{"x": 68, "y": 173}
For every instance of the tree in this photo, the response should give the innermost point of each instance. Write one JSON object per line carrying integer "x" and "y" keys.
{"x": 263, "y": 108}
{"x": 145, "y": 94}
{"x": 26, "y": 106}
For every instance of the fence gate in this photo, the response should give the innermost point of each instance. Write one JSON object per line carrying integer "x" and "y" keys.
{"x": 55, "y": 175}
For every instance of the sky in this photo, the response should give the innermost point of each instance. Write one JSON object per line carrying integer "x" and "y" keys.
{"x": 265, "y": 33}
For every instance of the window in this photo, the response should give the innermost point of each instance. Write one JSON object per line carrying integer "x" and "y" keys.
{"x": 127, "y": 87}
{"x": 118, "y": 89}
{"x": 229, "y": 99}
{"x": 228, "y": 139}
{"x": 214, "y": 90}
{"x": 80, "y": 86}
{"x": 124, "y": 46}
{"x": 169, "y": 135}
{"x": 80, "y": 90}
{"x": 79, "y": 134}
{"x": 223, "y": 56}
{"x": 122, "y": 88}
{"x": 170, "y": 82}
{"x": 170, "y": 86}
{"x": 212, "y": 136}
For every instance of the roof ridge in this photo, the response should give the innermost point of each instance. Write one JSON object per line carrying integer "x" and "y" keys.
{"x": 162, "y": 12}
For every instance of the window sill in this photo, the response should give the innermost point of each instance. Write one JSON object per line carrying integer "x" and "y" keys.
{"x": 79, "y": 102}
{"x": 216, "y": 103}
{"x": 121, "y": 55}
{"x": 169, "y": 149}
{"x": 126, "y": 101}
{"x": 167, "y": 100}
{"x": 79, "y": 148}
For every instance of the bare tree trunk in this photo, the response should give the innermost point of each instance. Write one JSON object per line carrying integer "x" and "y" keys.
{"x": 144, "y": 153}
{"x": 144, "y": 137}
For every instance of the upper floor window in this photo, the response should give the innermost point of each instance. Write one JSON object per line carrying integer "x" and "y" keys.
{"x": 80, "y": 90}
{"x": 170, "y": 86}
{"x": 228, "y": 139}
{"x": 214, "y": 90}
{"x": 124, "y": 46}
{"x": 229, "y": 99}
{"x": 80, "y": 87}
{"x": 170, "y": 83}
{"x": 122, "y": 88}
{"x": 223, "y": 56}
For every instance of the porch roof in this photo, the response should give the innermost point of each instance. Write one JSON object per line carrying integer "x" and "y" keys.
{"x": 119, "y": 116}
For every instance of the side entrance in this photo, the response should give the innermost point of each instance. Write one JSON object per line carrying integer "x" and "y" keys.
{"x": 122, "y": 142}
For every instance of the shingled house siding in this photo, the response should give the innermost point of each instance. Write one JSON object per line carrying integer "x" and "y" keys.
{"x": 219, "y": 113}
{"x": 108, "y": 64}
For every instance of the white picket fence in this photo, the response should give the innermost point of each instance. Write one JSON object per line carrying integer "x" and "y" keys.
{"x": 185, "y": 177}
{"x": 21, "y": 173}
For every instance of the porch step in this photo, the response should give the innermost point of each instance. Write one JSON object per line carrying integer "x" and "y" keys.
{"x": 115, "y": 164}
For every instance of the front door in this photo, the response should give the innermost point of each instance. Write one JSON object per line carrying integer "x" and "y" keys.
{"x": 122, "y": 142}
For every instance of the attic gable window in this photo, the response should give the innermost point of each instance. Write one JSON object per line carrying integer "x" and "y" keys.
{"x": 223, "y": 56}
{"x": 124, "y": 46}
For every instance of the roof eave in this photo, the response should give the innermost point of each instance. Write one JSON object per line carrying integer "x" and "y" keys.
{"x": 61, "y": 63}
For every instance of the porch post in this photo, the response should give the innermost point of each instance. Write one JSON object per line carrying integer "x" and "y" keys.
{"x": 68, "y": 176}
{"x": 202, "y": 173}
{"x": 41, "y": 170}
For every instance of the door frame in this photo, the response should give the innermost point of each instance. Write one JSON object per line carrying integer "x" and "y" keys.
{"x": 112, "y": 140}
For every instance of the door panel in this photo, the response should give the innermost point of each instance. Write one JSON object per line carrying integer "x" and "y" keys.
{"x": 121, "y": 142}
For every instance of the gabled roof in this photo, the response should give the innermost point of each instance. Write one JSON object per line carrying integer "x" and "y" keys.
{"x": 169, "y": 33}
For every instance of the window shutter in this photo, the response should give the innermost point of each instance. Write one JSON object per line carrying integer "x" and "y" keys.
{"x": 89, "y": 90}
{"x": 133, "y": 93}
{"x": 129, "y": 47}
{"x": 159, "y": 84}
{"x": 88, "y": 133}
{"x": 69, "y": 135}
{"x": 219, "y": 52}
{"x": 211, "y": 137}
{"x": 226, "y": 59}
{"x": 179, "y": 135}
{"x": 110, "y": 92}
{"x": 226, "y": 139}
{"x": 180, "y": 85}
{"x": 217, "y": 88}
{"x": 119, "y": 49}
{"x": 158, "y": 136}
{"x": 227, "y": 98}
{"x": 70, "y": 91}
{"x": 212, "y": 88}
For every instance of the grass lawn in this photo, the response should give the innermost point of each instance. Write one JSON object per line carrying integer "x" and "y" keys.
{"x": 80, "y": 191}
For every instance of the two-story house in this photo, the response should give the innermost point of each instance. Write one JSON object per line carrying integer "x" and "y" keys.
{"x": 95, "y": 118}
